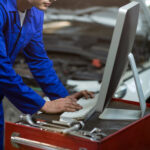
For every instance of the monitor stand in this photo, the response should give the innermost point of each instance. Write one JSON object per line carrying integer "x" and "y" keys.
{"x": 125, "y": 114}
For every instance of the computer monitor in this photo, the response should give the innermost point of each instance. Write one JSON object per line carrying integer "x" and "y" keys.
{"x": 116, "y": 64}
{"x": 121, "y": 45}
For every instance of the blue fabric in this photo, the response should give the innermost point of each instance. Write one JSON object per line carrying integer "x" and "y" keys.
{"x": 29, "y": 39}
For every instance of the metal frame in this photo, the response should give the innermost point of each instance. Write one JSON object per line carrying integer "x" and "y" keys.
{"x": 124, "y": 114}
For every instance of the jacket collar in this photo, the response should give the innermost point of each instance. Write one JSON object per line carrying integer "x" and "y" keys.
{"x": 12, "y": 7}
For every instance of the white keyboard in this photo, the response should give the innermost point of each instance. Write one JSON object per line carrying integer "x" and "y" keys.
{"x": 87, "y": 104}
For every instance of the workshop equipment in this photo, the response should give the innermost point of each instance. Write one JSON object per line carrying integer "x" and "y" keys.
{"x": 95, "y": 134}
{"x": 47, "y": 132}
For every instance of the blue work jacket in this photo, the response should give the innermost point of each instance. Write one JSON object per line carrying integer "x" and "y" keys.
{"x": 28, "y": 38}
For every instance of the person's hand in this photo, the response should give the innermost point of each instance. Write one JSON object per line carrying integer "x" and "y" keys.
{"x": 84, "y": 93}
{"x": 68, "y": 104}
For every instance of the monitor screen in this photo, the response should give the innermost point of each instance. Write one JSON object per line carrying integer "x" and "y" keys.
{"x": 121, "y": 45}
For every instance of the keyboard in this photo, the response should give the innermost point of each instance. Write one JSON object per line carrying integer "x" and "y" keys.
{"x": 88, "y": 105}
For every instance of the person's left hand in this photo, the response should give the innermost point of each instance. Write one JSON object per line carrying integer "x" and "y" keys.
{"x": 84, "y": 93}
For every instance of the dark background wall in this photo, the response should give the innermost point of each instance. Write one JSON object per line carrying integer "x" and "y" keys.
{"x": 77, "y": 4}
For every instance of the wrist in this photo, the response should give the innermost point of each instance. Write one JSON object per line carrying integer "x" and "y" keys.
{"x": 45, "y": 107}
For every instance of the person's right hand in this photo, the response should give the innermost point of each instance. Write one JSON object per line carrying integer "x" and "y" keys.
{"x": 61, "y": 105}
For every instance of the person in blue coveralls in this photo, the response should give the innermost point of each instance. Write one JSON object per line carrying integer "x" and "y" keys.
{"x": 21, "y": 24}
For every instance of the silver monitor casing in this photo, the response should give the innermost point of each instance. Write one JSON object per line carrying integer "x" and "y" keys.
{"x": 120, "y": 48}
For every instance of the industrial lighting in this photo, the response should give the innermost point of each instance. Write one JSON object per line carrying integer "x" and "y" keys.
{"x": 147, "y": 2}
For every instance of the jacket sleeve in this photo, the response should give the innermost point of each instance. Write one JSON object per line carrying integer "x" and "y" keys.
{"x": 42, "y": 67}
{"x": 11, "y": 84}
